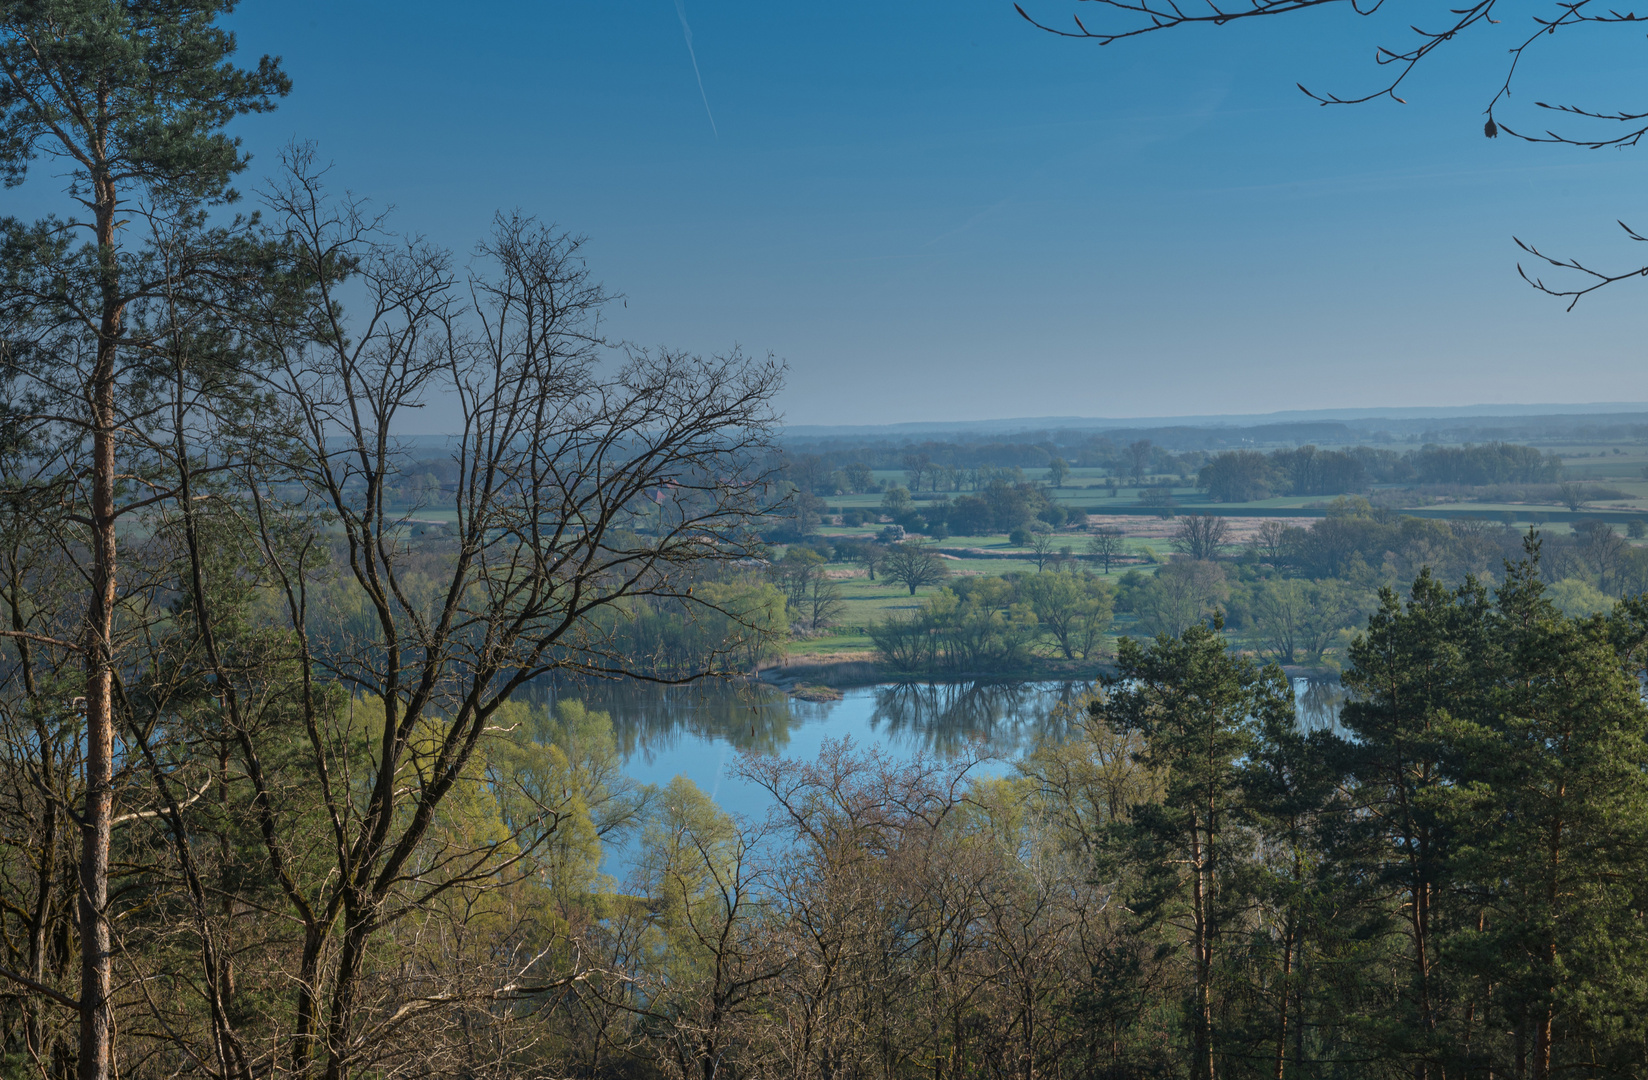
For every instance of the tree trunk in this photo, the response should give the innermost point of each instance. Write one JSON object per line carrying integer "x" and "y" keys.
{"x": 351, "y": 962}
{"x": 96, "y": 1020}
{"x": 303, "y": 1037}
{"x": 1202, "y": 1065}
{"x": 1542, "y": 1029}
{"x": 1282, "y": 1025}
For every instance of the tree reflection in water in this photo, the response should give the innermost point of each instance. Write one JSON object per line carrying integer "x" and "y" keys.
{"x": 996, "y": 719}
{"x": 1317, "y": 703}
{"x": 648, "y": 718}
{"x": 1000, "y": 719}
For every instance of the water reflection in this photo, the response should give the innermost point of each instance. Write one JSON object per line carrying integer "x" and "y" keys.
{"x": 949, "y": 718}
{"x": 698, "y": 731}
{"x": 1002, "y": 719}
{"x": 1317, "y": 703}
{"x": 651, "y": 721}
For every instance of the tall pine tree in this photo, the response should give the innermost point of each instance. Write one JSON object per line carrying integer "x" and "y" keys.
{"x": 129, "y": 98}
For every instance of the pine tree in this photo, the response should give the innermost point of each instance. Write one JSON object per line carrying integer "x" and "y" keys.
{"x": 1419, "y": 667}
{"x": 130, "y": 97}
{"x": 1199, "y": 710}
{"x": 1552, "y": 823}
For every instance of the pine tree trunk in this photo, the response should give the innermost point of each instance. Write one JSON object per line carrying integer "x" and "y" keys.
{"x": 1282, "y": 1026}
{"x": 96, "y": 1020}
{"x": 1202, "y": 1067}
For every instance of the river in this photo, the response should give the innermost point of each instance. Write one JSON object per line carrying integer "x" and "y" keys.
{"x": 699, "y": 731}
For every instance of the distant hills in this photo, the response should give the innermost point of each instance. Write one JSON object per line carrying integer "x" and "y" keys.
{"x": 1395, "y": 419}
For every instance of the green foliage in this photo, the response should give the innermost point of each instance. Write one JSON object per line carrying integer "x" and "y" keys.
{"x": 1181, "y": 594}
{"x": 984, "y": 628}
{"x": 1200, "y": 713}
{"x": 1298, "y": 621}
{"x": 1072, "y": 609}
{"x": 1239, "y": 476}
{"x": 983, "y": 624}
{"x": 561, "y": 789}
{"x": 687, "y": 849}
{"x": 1578, "y": 597}
{"x": 1484, "y": 463}
{"x": 727, "y": 625}
{"x": 1549, "y": 814}
{"x": 163, "y": 86}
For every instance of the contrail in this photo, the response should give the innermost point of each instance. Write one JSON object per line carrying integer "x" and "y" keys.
{"x": 686, "y": 31}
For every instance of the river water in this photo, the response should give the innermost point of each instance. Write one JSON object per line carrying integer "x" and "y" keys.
{"x": 699, "y": 731}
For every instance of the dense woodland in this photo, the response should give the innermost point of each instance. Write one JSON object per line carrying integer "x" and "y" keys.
{"x": 1449, "y": 884}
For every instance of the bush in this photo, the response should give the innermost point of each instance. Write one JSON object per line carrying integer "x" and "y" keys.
{"x": 855, "y": 517}
{"x": 1019, "y": 537}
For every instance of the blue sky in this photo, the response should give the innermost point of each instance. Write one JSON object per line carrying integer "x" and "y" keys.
{"x": 935, "y": 212}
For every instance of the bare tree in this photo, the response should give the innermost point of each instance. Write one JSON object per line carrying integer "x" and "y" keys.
{"x": 807, "y": 472}
{"x": 577, "y": 495}
{"x": 1159, "y": 499}
{"x": 915, "y": 467}
{"x": 1139, "y": 456}
{"x": 1200, "y": 536}
{"x": 1180, "y": 595}
{"x": 1604, "y": 549}
{"x": 913, "y": 565}
{"x": 1272, "y": 540}
{"x": 42, "y": 757}
{"x": 1106, "y": 544}
{"x": 823, "y": 603}
{"x": 710, "y": 887}
{"x": 870, "y": 555}
{"x": 1043, "y": 546}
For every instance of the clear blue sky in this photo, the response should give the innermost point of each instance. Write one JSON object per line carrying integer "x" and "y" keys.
{"x": 936, "y": 212}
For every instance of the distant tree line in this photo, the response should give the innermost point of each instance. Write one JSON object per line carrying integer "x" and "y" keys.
{"x": 967, "y": 466}
{"x": 1247, "y": 475}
